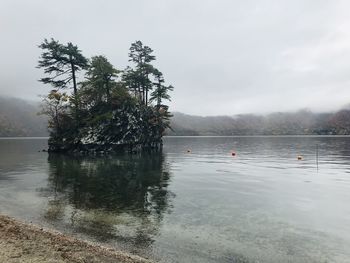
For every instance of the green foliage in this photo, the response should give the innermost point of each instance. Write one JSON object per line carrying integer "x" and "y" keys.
{"x": 60, "y": 62}
{"x": 100, "y": 78}
{"x": 110, "y": 112}
{"x": 138, "y": 79}
{"x": 140, "y": 54}
{"x": 161, "y": 91}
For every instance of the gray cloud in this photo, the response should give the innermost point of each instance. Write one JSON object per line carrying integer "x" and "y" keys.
{"x": 222, "y": 56}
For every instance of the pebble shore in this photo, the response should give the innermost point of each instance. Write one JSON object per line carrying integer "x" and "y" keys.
{"x": 21, "y": 242}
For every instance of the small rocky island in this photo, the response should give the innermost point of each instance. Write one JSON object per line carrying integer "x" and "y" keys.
{"x": 109, "y": 110}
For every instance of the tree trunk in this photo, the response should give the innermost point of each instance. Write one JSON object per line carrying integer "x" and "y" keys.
{"x": 58, "y": 128}
{"x": 75, "y": 90}
{"x": 143, "y": 95}
{"x": 108, "y": 92}
{"x": 146, "y": 102}
{"x": 73, "y": 77}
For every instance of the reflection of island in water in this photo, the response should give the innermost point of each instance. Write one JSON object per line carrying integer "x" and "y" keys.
{"x": 120, "y": 198}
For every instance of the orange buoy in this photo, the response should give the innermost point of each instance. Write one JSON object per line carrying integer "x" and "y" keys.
{"x": 299, "y": 157}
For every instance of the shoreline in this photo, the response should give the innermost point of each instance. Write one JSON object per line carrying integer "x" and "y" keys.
{"x": 23, "y": 242}
{"x": 201, "y": 136}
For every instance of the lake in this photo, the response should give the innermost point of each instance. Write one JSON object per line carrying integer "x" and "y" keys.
{"x": 194, "y": 202}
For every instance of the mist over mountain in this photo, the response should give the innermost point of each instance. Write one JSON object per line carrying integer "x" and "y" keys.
{"x": 20, "y": 118}
{"x": 303, "y": 122}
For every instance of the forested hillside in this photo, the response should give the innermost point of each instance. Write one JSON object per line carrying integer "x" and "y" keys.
{"x": 303, "y": 122}
{"x": 20, "y": 118}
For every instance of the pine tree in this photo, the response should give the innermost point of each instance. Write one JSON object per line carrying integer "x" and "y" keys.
{"x": 142, "y": 57}
{"x": 61, "y": 63}
{"x": 161, "y": 91}
{"x": 101, "y": 77}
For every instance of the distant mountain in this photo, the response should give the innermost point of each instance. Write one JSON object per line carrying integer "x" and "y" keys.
{"x": 20, "y": 118}
{"x": 303, "y": 122}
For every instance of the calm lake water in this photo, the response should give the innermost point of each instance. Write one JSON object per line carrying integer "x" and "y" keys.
{"x": 262, "y": 205}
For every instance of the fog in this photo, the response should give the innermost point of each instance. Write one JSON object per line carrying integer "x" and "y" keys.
{"x": 223, "y": 57}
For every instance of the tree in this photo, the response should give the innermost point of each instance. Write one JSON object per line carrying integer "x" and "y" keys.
{"x": 55, "y": 105}
{"x": 131, "y": 81}
{"x": 61, "y": 63}
{"x": 100, "y": 77}
{"x": 161, "y": 91}
{"x": 142, "y": 57}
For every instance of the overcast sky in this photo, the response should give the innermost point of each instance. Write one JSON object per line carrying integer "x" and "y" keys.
{"x": 223, "y": 57}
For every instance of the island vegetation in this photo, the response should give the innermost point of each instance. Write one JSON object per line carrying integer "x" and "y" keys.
{"x": 109, "y": 109}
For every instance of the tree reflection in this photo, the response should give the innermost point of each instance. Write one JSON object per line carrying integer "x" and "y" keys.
{"x": 120, "y": 197}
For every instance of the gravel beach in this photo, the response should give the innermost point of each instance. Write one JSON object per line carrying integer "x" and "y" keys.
{"x": 21, "y": 242}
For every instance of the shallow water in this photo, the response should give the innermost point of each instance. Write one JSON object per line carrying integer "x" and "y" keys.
{"x": 262, "y": 205}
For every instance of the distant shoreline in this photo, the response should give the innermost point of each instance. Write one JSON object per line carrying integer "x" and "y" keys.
{"x": 23, "y": 137}
{"x": 200, "y": 136}
{"x": 237, "y": 136}
{"x": 22, "y": 242}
